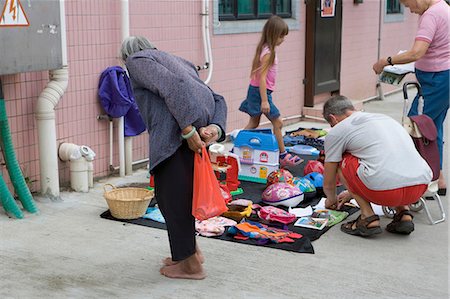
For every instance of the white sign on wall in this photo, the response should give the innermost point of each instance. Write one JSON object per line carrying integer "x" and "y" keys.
{"x": 13, "y": 14}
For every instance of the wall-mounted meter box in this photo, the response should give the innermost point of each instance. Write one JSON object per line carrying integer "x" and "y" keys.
{"x": 30, "y": 36}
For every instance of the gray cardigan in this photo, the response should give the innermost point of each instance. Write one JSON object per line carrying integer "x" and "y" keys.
{"x": 171, "y": 96}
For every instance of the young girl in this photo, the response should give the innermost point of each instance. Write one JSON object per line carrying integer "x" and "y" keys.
{"x": 262, "y": 84}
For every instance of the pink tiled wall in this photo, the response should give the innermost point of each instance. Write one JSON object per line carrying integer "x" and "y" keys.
{"x": 93, "y": 40}
{"x": 360, "y": 46}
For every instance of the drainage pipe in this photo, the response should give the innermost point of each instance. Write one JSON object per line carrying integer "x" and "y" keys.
{"x": 90, "y": 170}
{"x": 81, "y": 165}
{"x": 45, "y": 117}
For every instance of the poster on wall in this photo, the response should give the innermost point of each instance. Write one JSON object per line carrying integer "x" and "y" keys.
{"x": 327, "y": 8}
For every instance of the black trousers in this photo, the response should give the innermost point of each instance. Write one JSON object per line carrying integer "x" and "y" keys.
{"x": 173, "y": 189}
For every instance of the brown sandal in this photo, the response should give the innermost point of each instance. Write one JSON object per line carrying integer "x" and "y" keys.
{"x": 397, "y": 226}
{"x": 362, "y": 228}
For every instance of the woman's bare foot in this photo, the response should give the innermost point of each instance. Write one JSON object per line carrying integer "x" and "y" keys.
{"x": 169, "y": 262}
{"x": 190, "y": 268}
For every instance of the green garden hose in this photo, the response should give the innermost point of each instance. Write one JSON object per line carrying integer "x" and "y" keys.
{"x": 15, "y": 173}
{"x": 7, "y": 200}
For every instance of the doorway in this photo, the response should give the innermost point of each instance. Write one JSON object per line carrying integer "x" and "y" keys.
{"x": 323, "y": 48}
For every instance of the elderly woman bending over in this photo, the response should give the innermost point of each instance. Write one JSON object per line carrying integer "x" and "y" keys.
{"x": 182, "y": 115}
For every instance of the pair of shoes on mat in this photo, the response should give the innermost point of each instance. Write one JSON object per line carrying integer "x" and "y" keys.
{"x": 397, "y": 226}
{"x": 362, "y": 226}
{"x": 287, "y": 160}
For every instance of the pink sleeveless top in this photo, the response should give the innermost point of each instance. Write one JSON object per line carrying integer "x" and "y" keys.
{"x": 271, "y": 74}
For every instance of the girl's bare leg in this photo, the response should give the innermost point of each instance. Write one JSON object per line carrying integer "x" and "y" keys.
{"x": 277, "y": 124}
{"x": 253, "y": 122}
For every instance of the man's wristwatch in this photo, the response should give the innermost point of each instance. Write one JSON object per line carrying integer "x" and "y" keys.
{"x": 389, "y": 60}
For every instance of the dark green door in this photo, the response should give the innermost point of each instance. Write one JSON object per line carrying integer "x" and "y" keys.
{"x": 323, "y": 48}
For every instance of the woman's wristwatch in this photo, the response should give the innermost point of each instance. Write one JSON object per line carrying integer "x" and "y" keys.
{"x": 389, "y": 60}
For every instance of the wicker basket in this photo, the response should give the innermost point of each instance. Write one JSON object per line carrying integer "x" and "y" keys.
{"x": 127, "y": 203}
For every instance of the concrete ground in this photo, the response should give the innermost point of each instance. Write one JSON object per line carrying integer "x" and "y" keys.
{"x": 68, "y": 251}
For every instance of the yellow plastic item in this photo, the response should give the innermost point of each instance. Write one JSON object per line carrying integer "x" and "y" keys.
{"x": 236, "y": 212}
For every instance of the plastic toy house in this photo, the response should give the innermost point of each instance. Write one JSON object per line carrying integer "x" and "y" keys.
{"x": 258, "y": 153}
{"x": 226, "y": 167}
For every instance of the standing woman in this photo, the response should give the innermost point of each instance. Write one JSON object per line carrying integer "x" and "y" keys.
{"x": 431, "y": 52}
{"x": 182, "y": 115}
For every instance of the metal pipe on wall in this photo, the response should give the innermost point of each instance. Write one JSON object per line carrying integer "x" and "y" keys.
{"x": 125, "y": 30}
{"x": 207, "y": 40}
{"x": 380, "y": 14}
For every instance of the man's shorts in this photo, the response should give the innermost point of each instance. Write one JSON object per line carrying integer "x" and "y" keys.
{"x": 252, "y": 104}
{"x": 392, "y": 198}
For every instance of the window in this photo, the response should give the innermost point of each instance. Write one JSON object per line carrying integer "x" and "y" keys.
{"x": 393, "y": 12}
{"x": 246, "y": 16}
{"x": 232, "y": 10}
{"x": 393, "y": 7}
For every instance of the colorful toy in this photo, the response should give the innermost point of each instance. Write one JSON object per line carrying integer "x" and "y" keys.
{"x": 282, "y": 175}
{"x": 238, "y": 209}
{"x": 305, "y": 186}
{"x": 316, "y": 179}
{"x": 262, "y": 233}
{"x": 258, "y": 153}
{"x": 270, "y": 213}
{"x": 313, "y": 166}
{"x": 282, "y": 194}
{"x": 302, "y": 149}
{"x": 227, "y": 164}
{"x": 151, "y": 184}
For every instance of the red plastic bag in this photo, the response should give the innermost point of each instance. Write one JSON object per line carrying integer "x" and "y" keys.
{"x": 207, "y": 201}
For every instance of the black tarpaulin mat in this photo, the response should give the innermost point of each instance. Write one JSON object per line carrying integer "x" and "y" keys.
{"x": 253, "y": 192}
{"x": 302, "y": 245}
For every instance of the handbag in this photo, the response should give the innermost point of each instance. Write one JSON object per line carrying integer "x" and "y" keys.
{"x": 423, "y": 132}
{"x": 207, "y": 200}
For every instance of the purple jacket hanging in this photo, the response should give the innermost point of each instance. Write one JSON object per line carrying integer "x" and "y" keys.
{"x": 116, "y": 96}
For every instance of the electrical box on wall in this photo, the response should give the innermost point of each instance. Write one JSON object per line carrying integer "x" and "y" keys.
{"x": 30, "y": 36}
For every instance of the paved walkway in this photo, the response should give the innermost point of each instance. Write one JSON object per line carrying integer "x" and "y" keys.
{"x": 68, "y": 251}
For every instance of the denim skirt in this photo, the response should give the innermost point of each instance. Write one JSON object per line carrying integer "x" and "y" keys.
{"x": 252, "y": 104}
